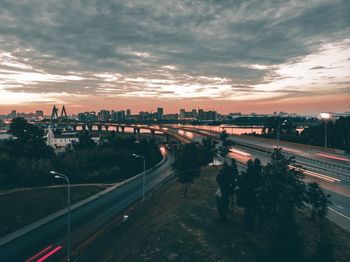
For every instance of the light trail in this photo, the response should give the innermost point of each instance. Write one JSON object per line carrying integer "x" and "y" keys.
{"x": 334, "y": 157}
{"x": 38, "y": 254}
{"x": 314, "y": 174}
{"x": 49, "y": 254}
{"x": 288, "y": 149}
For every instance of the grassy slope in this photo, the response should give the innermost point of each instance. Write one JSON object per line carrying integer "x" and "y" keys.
{"x": 168, "y": 227}
{"x": 19, "y": 209}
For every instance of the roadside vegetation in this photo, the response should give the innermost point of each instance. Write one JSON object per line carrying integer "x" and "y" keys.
{"x": 26, "y": 160}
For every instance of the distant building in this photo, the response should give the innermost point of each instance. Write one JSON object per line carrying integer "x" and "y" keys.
{"x": 171, "y": 117}
{"x": 128, "y": 112}
{"x": 118, "y": 115}
{"x": 104, "y": 115}
{"x": 160, "y": 112}
{"x": 87, "y": 117}
{"x": 62, "y": 141}
{"x": 188, "y": 115}
{"x": 207, "y": 115}
{"x": 182, "y": 113}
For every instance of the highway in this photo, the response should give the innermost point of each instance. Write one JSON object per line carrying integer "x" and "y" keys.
{"x": 330, "y": 170}
{"x": 49, "y": 241}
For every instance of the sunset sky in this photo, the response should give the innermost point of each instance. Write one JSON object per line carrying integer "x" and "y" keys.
{"x": 247, "y": 56}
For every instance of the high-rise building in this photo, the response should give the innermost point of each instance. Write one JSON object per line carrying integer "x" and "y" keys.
{"x": 182, "y": 113}
{"x": 87, "y": 117}
{"x": 207, "y": 115}
{"x": 194, "y": 113}
{"x": 160, "y": 112}
{"x": 104, "y": 115}
{"x": 128, "y": 112}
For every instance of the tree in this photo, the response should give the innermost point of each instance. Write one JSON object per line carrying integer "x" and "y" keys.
{"x": 85, "y": 141}
{"x": 187, "y": 165}
{"x": 282, "y": 190}
{"x": 248, "y": 187}
{"x": 227, "y": 181}
{"x": 22, "y": 130}
{"x": 318, "y": 200}
{"x": 225, "y": 143}
{"x": 280, "y": 194}
{"x": 208, "y": 151}
{"x": 29, "y": 141}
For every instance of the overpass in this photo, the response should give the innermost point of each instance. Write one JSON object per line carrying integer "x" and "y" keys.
{"x": 119, "y": 128}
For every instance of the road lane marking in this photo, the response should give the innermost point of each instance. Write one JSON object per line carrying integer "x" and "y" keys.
{"x": 49, "y": 254}
{"x": 340, "y": 207}
{"x": 340, "y": 214}
{"x": 38, "y": 254}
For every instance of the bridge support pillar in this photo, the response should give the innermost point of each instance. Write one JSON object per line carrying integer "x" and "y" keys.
{"x": 99, "y": 128}
{"x": 153, "y": 134}
{"x": 89, "y": 127}
{"x": 75, "y": 128}
{"x": 138, "y": 133}
{"x": 123, "y": 129}
{"x": 167, "y": 138}
{"x": 117, "y": 129}
{"x": 83, "y": 127}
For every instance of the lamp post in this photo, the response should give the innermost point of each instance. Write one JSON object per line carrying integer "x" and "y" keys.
{"x": 279, "y": 131}
{"x": 325, "y": 117}
{"x": 144, "y": 173}
{"x": 62, "y": 176}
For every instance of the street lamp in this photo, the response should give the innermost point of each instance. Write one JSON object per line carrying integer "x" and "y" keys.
{"x": 144, "y": 173}
{"x": 62, "y": 176}
{"x": 325, "y": 117}
{"x": 279, "y": 131}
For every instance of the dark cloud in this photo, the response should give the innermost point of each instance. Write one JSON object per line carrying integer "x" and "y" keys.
{"x": 139, "y": 39}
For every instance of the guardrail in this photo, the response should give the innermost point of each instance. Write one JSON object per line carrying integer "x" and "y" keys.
{"x": 337, "y": 170}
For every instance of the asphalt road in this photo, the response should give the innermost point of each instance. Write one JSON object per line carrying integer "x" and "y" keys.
{"x": 85, "y": 221}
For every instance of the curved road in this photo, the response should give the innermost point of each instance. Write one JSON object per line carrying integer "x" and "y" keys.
{"x": 50, "y": 239}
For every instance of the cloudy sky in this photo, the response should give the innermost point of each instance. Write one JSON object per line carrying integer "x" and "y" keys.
{"x": 230, "y": 55}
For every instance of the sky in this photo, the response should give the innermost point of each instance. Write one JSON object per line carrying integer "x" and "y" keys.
{"x": 228, "y": 55}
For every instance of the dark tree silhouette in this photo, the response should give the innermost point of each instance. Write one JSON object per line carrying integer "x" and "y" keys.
{"x": 227, "y": 181}
{"x": 85, "y": 141}
{"x": 248, "y": 186}
{"x": 281, "y": 193}
{"x": 187, "y": 165}
{"x": 208, "y": 151}
{"x": 318, "y": 200}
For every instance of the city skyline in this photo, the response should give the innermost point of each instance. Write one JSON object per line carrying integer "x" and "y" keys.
{"x": 250, "y": 56}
